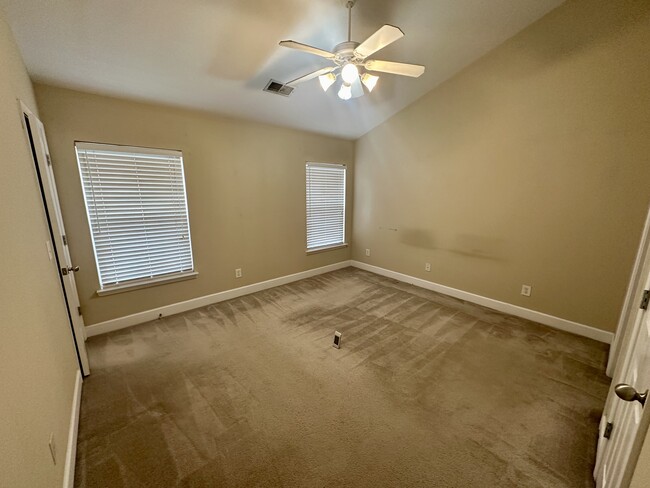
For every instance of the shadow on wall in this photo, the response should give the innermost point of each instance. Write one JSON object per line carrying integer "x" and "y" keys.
{"x": 604, "y": 20}
{"x": 247, "y": 34}
{"x": 470, "y": 245}
{"x": 482, "y": 247}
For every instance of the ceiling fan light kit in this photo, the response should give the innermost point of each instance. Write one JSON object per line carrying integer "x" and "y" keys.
{"x": 350, "y": 59}
{"x": 369, "y": 80}
{"x": 327, "y": 80}
{"x": 345, "y": 93}
{"x": 350, "y": 73}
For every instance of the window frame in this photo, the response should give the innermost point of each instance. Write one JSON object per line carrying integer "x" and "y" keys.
{"x": 137, "y": 283}
{"x": 334, "y": 246}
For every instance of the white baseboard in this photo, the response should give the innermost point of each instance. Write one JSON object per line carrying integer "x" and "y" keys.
{"x": 542, "y": 318}
{"x": 174, "y": 308}
{"x": 71, "y": 451}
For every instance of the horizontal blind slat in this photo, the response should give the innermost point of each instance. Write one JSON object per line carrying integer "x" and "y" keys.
{"x": 325, "y": 191}
{"x": 137, "y": 210}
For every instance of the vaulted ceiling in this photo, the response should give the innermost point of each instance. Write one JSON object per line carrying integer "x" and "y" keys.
{"x": 217, "y": 55}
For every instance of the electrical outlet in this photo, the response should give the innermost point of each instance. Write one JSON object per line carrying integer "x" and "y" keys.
{"x": 52, "y": 447}
{"x": 238, "y": 273}
{"x": 526, "y": 290}
{"x": 367, "y": 252}
{"x": 427, "y": 266}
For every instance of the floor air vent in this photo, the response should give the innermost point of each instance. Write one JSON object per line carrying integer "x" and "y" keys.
{"x": 278, "y": 88}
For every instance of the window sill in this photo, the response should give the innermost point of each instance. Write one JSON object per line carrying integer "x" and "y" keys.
{"x": 136, "y": 285}
{"x": 333, "y": 247}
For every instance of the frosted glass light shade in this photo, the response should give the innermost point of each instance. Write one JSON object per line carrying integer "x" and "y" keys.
{"x": 327, "y": 80}
{"x": 345, "y": 93}
{"x": 369, "y": 80}
{"x": 350, "y": 73}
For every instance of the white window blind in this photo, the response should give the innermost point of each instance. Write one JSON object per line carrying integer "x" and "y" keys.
{"x": 325, "y": 205}
{"x": 137, "y": 210}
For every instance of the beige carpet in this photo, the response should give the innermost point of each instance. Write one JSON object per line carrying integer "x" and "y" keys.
{"x": 426, "y": 391}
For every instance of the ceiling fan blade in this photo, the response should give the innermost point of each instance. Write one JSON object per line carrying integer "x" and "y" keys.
{"x": 308, "y": 49}
{"x": 385, "y": 35}
{"x": 312, "y": 75}
{"x": 404, "y": 69}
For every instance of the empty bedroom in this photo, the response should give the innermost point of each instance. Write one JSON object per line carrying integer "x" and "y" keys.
{"x": 325, "y": 243}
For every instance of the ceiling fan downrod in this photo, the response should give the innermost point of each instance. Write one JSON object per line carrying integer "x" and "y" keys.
{"x": 350, "y": 4}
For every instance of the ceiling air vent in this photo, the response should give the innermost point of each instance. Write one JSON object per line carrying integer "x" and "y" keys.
{"x": 278, "y": 88}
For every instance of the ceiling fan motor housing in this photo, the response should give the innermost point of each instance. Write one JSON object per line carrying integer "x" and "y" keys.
{"x": 344, "y": 53}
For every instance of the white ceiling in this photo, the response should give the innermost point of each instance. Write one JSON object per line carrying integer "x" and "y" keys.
{"x": 217, "y": 55}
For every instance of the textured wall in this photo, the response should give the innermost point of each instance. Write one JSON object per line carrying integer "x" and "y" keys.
{"x": 529, "y": 167}
{"x": 38, "y": 364}
{"x": 245, "y": 189}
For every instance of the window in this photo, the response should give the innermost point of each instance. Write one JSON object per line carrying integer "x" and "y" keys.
{"x": 325, "y": 206}
{"x": 137, "y": 211}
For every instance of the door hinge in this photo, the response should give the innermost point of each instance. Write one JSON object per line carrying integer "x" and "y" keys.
{"x": 645, "y": 299}
{"x": 79, "y": 310}
{"x": 608, "y": 430}
{"x": 65, "y": 240}
{"x": 49, "y": 161}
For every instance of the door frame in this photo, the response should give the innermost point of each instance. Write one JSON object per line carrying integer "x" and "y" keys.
{"x": 34, "y": 134}
{"x": 613, "y": 363}
{"x": 629, "y": 324}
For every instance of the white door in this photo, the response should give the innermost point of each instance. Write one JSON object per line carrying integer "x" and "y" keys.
{"x": 38, "y": 144}
{"x": 625, "y": 420}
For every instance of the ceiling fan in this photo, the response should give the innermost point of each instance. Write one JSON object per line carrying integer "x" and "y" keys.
{"x": 351, "y": 59}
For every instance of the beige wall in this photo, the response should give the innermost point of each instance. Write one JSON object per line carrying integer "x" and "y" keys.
{"x": 245, "y": 189}
{"x": 37, "y": 361}
{"x": 641, "y": 477}
{"x": 532, "y": 166}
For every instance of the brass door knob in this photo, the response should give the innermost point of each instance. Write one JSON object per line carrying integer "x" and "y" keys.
{"x": 629, "y": 393}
